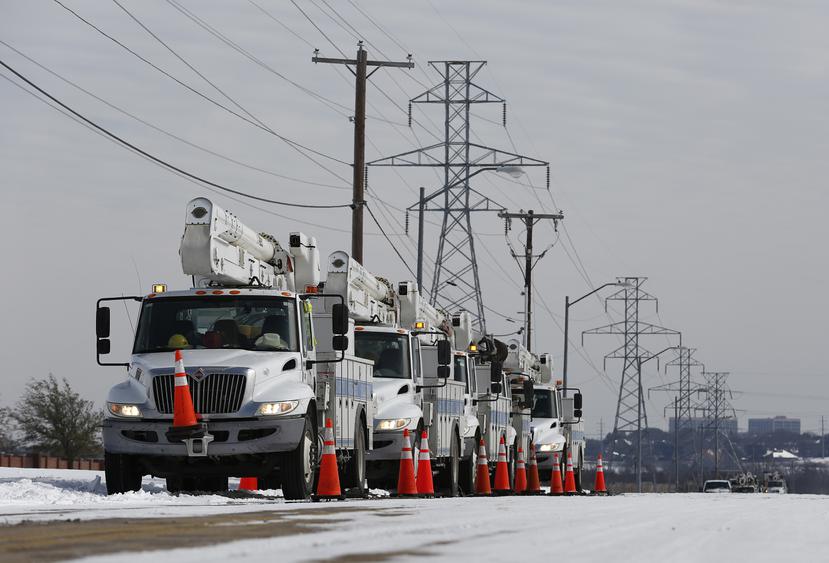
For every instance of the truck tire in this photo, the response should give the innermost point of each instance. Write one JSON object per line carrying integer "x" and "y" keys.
{"x": 577, "y": 472}
{"x": 355, "y": 471}
{"x": 299, "y": 467}
{"x": 453, "y": 468}
{"x": 469, "y": 469}
{"x": 123, "y": 473}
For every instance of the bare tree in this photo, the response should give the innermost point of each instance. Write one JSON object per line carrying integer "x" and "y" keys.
{"x": 56, "y": 419}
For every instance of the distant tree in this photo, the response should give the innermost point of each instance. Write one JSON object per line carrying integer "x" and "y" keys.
{"x": 8, "y": 443}
{"x": 57, "y": 420}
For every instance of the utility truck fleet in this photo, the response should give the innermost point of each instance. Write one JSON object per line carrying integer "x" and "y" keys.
{"x": 271, "y": 351}
{"x": 409, "y": 342}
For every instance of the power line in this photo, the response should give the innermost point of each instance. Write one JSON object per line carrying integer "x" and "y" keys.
{"x": 294, "y": 144}
{"x": 164, "y": 131}
{"x": 159, "y": 160}
{"x": 393, "y": 247}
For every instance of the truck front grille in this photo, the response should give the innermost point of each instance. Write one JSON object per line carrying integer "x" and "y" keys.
{"x": 217, "y": 393}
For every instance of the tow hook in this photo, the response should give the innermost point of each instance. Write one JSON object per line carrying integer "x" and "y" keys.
{"x": 196, "y": 438}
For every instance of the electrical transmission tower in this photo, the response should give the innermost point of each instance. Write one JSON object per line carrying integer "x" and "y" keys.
{"x": 455, "y": 277}
{"x": 717, "y": 409}
{"x": 684, "y": 428}
{"x": 630, "y": 407}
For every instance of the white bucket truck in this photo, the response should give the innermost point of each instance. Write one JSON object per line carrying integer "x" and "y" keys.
{"x": 264, "y": 371}
{"x": 556, "y": 426}
{"x": 408, "y": 341}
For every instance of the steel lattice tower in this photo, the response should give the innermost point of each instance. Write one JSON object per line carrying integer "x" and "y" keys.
{"x": 455, "y": 282}
{"x": 717, "y": 408}
{"x": 685, "y": 389}
{"x": 628, "y": 406}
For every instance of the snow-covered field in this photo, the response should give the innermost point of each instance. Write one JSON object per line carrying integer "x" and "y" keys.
{"x": 691, "y": 527}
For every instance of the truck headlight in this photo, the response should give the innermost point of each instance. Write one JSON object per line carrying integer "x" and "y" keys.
{"x": 124, "y": 410}
{"x": 393, "y": 423}
{"x": 281, "y": 407}
{"x": 554, "y": 447}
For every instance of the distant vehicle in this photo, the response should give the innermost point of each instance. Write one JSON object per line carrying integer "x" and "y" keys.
{"x": 743, "y": 489}
{"x": 717, "y": 486}
{"x": 777, "y": 486}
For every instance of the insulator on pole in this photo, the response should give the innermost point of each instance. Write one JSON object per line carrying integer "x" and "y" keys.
{"x": 504, "y": 114}
{"x": 407, "y": 223}
{"x": 548, "y": 178}
{"x": 506, "y": 227}
{"x": 410, "y": 114}
{"x": 365, "y": 177}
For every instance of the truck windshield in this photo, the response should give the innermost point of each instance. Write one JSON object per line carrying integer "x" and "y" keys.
{"x": 388, "y": 350}
{"x": 545, "y": 404}
{"x": 249, "y": 323}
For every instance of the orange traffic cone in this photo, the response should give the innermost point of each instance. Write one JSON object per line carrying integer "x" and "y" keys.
{"x": 520, "y": 484}
{"x": 248, "y": 484}
{"x": 569, "y": 477}
{"x": 328, "y": 486}
{"x": 502, "y": 471}
{"x": 425, "y": 486}
{"x": 600, "y": 488}
{"x": 185, "y": 421}
{"x": 482, "y": 487}
{"x": 184, "y": 416}
{"x": 555, "y": 480}
{"x": 533, "y": 481}
{"x": 406, "y": 485}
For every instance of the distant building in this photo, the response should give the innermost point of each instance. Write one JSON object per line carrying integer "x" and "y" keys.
{"x": 727, "y": 425}
{"x": 771, "y": 425}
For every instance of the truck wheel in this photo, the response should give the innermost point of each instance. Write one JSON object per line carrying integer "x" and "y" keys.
{"x": 453, "y": 468}
{"x": 577, "y": 472}
{"x": 355, "y": 473}
{"x": 469, "y": 469}
{"x": 123, "y": 473}
{"x": 299, "y": 467}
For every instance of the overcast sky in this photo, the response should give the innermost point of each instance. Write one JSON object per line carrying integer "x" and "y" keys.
{"x": 688, "y": 143}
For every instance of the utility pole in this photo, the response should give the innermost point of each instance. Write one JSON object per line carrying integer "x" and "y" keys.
{"x": 455, "y": 280}
{"x": 676, "y": 443}
{"x": 530, "y": 218}
{"x": 361, "y": 74}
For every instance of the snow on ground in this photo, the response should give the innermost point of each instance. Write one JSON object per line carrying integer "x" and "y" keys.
{"x": 60, "y": 494}
{"x": 641, "y": 528}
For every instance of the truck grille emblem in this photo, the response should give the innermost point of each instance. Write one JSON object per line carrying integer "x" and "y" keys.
{"x": 199, "y": 375}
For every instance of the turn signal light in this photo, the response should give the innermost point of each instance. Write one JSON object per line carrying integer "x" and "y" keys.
{"x": 159, "y": 287}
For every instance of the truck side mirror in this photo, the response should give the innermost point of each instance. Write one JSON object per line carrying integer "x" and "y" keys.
{"x": 577, "y": 401}
{"x": 496, "y": 372}
{"x": 339, "y": 342}
{"x": 444, "y": 353}
{"x": 495, "y": 387}
{"x": 529, "y": 394}
{"x": 443, "y": 372}
{"x": 103, "y": 346}
{"x": 102, "y": 323}
{"x": 339, "y": 321}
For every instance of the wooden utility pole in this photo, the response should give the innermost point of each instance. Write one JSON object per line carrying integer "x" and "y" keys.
{"x": 360, "y": 72}
{"x": 529, "y": 219}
